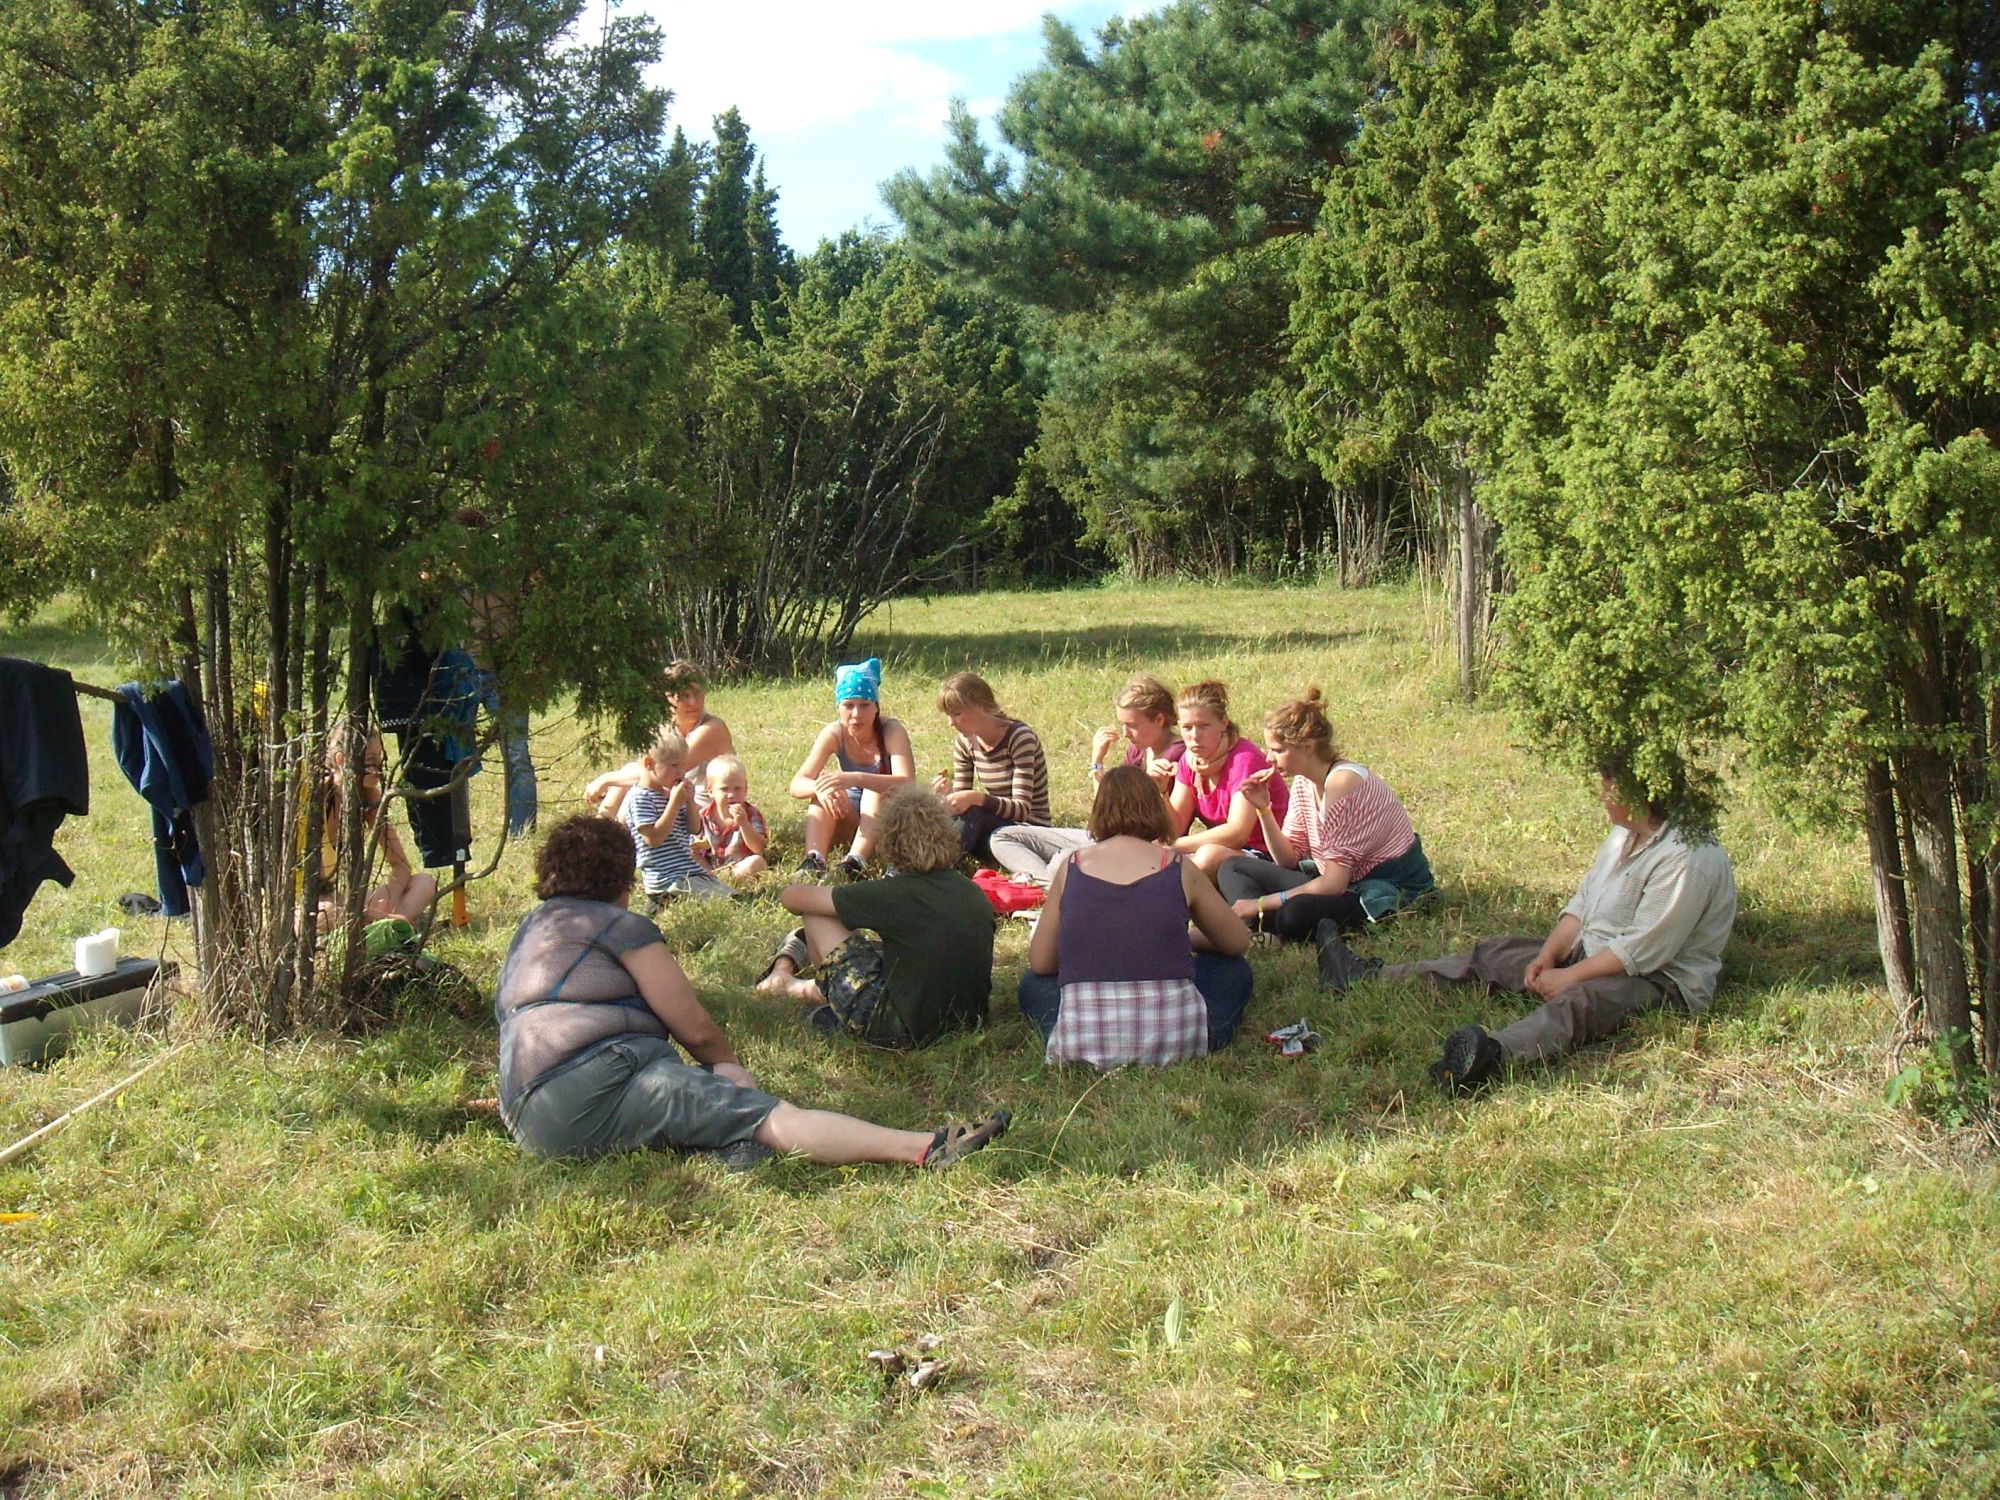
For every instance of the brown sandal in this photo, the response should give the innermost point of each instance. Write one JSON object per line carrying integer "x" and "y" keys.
{"x": 955, "y": 1142}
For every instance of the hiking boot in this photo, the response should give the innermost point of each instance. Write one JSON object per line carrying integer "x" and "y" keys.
{"x": 1471, "y": 1058}
{"x": 812, "y": 867}
{"x": 1340, "y": 965}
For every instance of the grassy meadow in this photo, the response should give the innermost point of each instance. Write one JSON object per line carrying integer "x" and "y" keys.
{"x": 1704, "y": 1260}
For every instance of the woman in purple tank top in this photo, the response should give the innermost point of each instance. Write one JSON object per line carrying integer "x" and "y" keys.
{"x": 1113, "y": 973}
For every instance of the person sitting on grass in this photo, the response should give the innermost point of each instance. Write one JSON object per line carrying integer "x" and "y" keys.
{"x": 659, "y": 814}
{"x": 405, "y": 893}
{"x": 1114, "y": 975}
{"x": 1346, "y": 850}
{"x": 932, "y": 970}
{"x": 706, "y": 735}
{"x": 731, "y": 827}
{"x": 1144, "y": 736}
{"x": 604, "y": 1046}
{"x": 999, "y": 774}
{"x": 1208, "y": 782}
{"x": 854, "y": 763}
{"x": 1646, "y": 928}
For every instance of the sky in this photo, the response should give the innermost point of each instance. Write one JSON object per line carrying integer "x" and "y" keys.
{"x": 841, "y": 94}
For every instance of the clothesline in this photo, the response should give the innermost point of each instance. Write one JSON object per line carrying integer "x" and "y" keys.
{"x": 90, "y": 691}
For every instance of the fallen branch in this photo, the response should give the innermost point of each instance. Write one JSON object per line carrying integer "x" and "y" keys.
{"x": 28, "y": 1143}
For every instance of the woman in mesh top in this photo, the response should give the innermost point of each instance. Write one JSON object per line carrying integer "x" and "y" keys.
{"x": 591, "y": 1005}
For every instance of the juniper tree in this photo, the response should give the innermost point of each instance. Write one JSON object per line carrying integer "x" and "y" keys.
{"x": 285, "y": 290}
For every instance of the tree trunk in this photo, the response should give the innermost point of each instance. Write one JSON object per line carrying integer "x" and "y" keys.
{"x": 1936, "y": 900}
{"x": 1892, "y": 905}
{"x": 1471, "y": 578}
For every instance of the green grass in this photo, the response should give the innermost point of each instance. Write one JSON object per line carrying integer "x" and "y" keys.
{"x": 1703, "y": 1260}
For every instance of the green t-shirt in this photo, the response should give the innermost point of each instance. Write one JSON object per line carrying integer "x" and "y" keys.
{"x": 937, "y": 950}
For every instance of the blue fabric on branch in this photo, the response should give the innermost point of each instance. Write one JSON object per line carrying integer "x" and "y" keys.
{"x": 161, "y": 744}
{"x": 43, "y": 779}
{"x": 512, "y": 727}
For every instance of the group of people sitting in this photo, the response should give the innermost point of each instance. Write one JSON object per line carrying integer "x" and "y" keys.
{"x": 1198, "y": 841}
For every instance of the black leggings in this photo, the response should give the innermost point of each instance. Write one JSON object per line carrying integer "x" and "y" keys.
{"x": 1246, "y": 878}
{"x": 976, "y": 827}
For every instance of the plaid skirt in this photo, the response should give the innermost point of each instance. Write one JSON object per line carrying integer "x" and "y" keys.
{"x": 1110, "y": 1022}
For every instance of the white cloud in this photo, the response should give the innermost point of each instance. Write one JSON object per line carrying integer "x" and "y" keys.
{"x": 793, "y": 67}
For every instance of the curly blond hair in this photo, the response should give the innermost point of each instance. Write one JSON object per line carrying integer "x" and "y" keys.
{"x": 916, "y": 831}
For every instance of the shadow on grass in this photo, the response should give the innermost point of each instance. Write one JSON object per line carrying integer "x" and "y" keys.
{"x": 1135, "y": 646}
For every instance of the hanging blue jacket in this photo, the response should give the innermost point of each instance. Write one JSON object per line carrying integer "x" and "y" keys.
{"x": 163, "y": 748}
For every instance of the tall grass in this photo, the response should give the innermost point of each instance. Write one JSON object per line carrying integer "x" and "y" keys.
{"x": 1703, "y": 1260}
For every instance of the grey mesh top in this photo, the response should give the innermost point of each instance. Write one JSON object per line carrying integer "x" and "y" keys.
{"x": 564, "y": 993}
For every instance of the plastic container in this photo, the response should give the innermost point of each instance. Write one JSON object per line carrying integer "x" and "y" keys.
{"x": 98, "y": 953}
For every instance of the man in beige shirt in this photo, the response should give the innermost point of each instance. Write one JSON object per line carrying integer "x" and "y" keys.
{"x": 1645, "y": 928}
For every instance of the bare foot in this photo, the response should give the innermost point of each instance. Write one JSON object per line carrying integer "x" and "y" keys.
{"x": 806, "y": 990}
{"x": 779, "y": 981}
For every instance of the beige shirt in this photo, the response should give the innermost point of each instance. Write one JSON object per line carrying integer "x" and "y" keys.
{"x": 1665, "y": 908}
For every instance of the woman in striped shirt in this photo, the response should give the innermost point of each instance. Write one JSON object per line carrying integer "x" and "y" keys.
{"x": 1345, "y": 852}
{"x": 999, "y": 774}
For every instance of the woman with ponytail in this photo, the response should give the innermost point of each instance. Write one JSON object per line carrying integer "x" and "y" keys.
{"x": 1344, "y": 852}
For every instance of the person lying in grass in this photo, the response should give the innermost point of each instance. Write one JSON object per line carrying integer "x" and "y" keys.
{"x": 591, "y": 1006}
{"x": 1113, "y": 972}
{"x": 932, "y": 970}
{"x": 1646, "y": 928}
{"x": 1346, "y": 850}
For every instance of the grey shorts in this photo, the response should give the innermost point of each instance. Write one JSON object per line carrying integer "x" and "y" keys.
{"x": 639, "y": 1093}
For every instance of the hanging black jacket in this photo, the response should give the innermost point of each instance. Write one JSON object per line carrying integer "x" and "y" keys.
{"x": 44, "y": 778}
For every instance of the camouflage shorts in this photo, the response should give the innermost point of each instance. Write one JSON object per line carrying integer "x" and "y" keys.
{"x": 850, "y": 979}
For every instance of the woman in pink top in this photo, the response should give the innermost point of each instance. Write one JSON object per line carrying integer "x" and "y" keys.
{"x": 1345, "y": 852}
{"x": 1208, "y": 781}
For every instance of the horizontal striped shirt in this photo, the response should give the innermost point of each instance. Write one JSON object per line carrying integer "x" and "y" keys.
{"x": 1013, "y": 771}
{"x": 1359, "y": 831}
{"x": 661, "y": 864}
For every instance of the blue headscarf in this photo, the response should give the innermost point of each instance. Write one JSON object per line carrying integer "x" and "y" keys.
{"x": 858, "y": 679}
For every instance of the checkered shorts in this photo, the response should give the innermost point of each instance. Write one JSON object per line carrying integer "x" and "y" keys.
{"x": 1109, "y": 1022}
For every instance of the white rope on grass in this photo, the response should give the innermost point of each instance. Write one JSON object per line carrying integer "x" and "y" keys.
{"x": 28, "y": 1142}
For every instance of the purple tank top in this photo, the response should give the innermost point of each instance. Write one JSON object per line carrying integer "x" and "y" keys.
{"x": 1113, "y": 932}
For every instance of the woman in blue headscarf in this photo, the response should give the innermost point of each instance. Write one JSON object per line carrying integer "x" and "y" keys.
{"x": 854, "y": 763}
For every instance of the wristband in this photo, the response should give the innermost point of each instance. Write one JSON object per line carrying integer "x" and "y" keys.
{"x": 1097, "y": 766}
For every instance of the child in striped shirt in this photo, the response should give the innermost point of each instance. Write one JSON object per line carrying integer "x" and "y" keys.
{"x": 658, "y": 811}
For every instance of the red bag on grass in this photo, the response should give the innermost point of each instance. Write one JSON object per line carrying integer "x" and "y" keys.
{"x": 1007, "y": 895}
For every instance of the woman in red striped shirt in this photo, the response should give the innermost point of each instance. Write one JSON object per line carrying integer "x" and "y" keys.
{"x": 1346, "y": 851}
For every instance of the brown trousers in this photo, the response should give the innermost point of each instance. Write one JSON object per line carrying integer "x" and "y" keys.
{"x": 1582, "y": 1014}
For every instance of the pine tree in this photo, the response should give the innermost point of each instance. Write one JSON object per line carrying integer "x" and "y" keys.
{"x": 1165, "y": 178}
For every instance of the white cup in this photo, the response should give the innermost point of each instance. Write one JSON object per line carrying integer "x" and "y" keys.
{"x": 98, "y": 953}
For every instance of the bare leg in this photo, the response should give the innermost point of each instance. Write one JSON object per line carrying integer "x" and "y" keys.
{"x": 823, "y": 935}
{"x": 823, "y": 830}
{"x": 750, "y": 864}
{"x": 863, "y": 846}
{"x": 836, "y": 1140}
{"x": 417, "y": 898}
